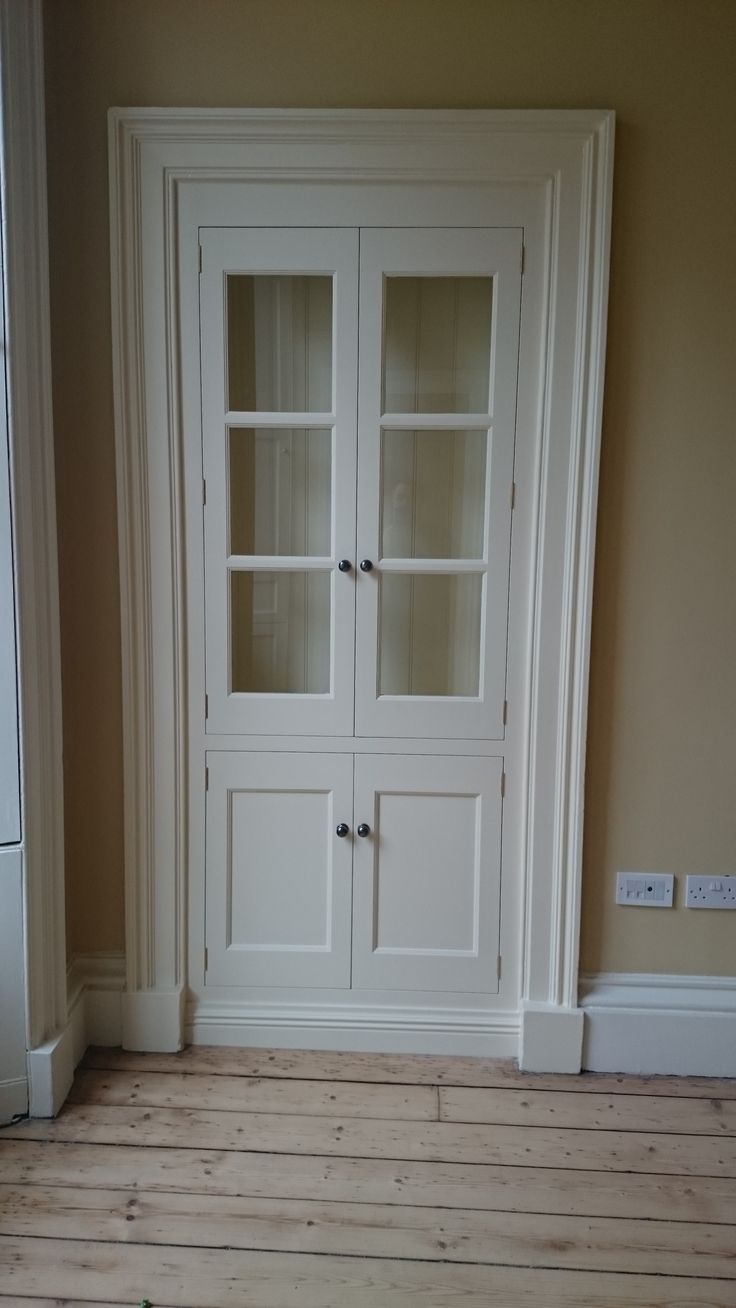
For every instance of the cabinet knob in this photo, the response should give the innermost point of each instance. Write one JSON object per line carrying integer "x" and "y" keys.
{"x": 344, "y": 565}
{"x": 366, "y": 565}
{"x": 364, "y": 829}
{"x": 342, "y": 829}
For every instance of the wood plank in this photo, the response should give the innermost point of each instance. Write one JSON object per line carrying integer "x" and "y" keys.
{"x": 370, "y": 1231}
{"x": 191, "y": 1278}
{"x": 256, "y": 1095}
{"x": 370, "y": 1181}
{"x": 410, "y": 1069}
{"x": 590, "y": 1112}
{"x": 420, "y": 1141}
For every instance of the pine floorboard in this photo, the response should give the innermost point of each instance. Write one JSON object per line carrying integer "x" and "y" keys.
{"x": 279, "y": 1179}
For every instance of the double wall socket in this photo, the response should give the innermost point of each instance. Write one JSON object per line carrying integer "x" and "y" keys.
{"x": 711, "y": 892}
{"x": 646, "y": 890}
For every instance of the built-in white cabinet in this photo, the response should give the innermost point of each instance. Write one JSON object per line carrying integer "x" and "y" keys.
{"x": 358, "y": 422}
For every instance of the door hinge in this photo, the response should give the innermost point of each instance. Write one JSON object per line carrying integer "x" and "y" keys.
{"x": 199, "y": 247}
{"x": 204, "y": 491}
{"x": 505, "y": 711}
{"x": 503, "y": 784}
{"x": 498, "y": 968}
{"x": 207, "y": 706}
{"x": 207, "y": 959}
{"x": 522, "y": 261}
{"x": 206, "y": 778}
{"x": 513, "y": 495}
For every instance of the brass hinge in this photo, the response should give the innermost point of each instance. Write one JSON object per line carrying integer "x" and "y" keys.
{"x": 206, "y": 778}
{"x": 505, "y": 711}
{"x": 513, "y": 495}
{"x": 498, "y": 968}
{"x": 207, "y": 959}
{"x": 523, "y": 251}
{"x": 206, "y": 706}
{"x": 200, "y": 257}
{"x": 204, "y": 491}
{"x": 503, "y": 784}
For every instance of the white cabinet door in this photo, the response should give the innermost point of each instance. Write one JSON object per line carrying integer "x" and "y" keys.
{"x": 279, "y": 343}
{"x": 439, "y": 334}
{"x": 279, "y": 878}
{"x": 427, "y": 873}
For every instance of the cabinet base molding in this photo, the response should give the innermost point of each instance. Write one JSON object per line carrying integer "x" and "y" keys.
{"x": 551, "y": 1038}
{"x": 51, "y": 1071}
{"x": 653, "y": 1024}
{"x": 152, "y": 1020}
{"x": 465, "y": 1032}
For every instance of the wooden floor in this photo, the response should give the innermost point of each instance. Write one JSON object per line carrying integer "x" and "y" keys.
{"x": 224, "y": 1178}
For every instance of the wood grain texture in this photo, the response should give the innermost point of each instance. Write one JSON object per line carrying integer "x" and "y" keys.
{"x": 365, "y": 1138}
{"x": 370, "y": 1230}
{"x": 191, "y": 1278}
{"x": 595, "y": 1112}
{"x": 370, "y": 1181}
{"x": 256, "y": 1095}
{"x": 409, "y": 1069}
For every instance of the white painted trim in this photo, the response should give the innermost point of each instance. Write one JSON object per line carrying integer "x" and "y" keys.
{"x": 339, "y": 1026}
{"x": 155, "y": 156}
{"x": 51, "y": 1068}
{"x": 551, "y": 1038}
{"x": 25, "y": 259}
{"x": 153, "y": 1020}
{"x": 652, "y": 1024}
{"x": 96, "y": 982}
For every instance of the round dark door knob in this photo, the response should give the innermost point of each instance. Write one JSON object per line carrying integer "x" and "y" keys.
{"x": 342, "y": 829}
{"x": 366, "y": 565}
{"x": 344, "y": 565}
{"x": 364, "y": 829}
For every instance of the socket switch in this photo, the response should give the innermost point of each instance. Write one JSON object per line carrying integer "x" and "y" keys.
{"x": 711, "y": 892}
{"x": 645, "y": 890}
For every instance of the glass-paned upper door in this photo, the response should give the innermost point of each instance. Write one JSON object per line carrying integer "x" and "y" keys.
{"x": 279, "y": 334}
{"x": 439, "y": 332}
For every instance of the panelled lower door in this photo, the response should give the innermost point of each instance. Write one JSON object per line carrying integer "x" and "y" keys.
{"x": 279, "y": 878}
{"x": 439, "y": 333}
{"x": 279, "y": 343}
{"x": 426, "y": 881}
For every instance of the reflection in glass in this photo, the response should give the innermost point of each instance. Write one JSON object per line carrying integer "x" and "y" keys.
{"x": 280, "y": 490}
{"x": 279, "y": 343}
{"x": 429, "y": 642}
{"x": 280, "y": 632}
{"x": 433, "y": 491}
{"x": 437, "y": 344}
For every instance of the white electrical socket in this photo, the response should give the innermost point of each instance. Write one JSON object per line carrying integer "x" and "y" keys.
{"x": 645, "y": 889}
{"x": 711, "y": 892}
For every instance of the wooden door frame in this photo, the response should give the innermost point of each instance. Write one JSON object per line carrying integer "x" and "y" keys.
{"x": 155, "y": 156}
{"x": 50, "y": 1037}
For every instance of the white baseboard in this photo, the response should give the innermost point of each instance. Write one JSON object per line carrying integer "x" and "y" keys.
{"x": 659, "y": 1024}
{"x": 369, "y": 1030}
{"x": 152, "y": 1020}
{"x": 51, "y": 1071}
{"x": 13, "y": 1099}
{"x": 551, "y": 1038}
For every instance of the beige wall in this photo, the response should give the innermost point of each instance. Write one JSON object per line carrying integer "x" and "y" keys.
{"x": 660, "y": 790}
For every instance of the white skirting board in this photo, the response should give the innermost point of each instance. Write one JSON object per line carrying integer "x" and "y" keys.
{"x": 368, "y": 1030}
{"x": 659, "y": 1024}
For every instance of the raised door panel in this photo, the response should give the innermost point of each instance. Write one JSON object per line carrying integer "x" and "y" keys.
{"x": 439, "y": 334}
{"x": 279, "y": 879}
{"x": 427, "y": 874}
{"x": 278, "y": 322}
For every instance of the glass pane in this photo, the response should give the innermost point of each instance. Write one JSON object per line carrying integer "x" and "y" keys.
{"x": 280, "y": 490}
{"x": 280, "y": 632}
{"x": 433, "y": 491}
{"x": 437, "y": 344}
{"x": 279, "y": 343}
{"x": 429, "y": 641}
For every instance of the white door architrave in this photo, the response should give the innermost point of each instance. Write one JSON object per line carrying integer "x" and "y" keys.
{"x": 550, "y": 172}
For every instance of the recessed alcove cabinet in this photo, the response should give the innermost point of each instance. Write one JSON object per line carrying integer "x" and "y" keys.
{"x": 358, "y": 373}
